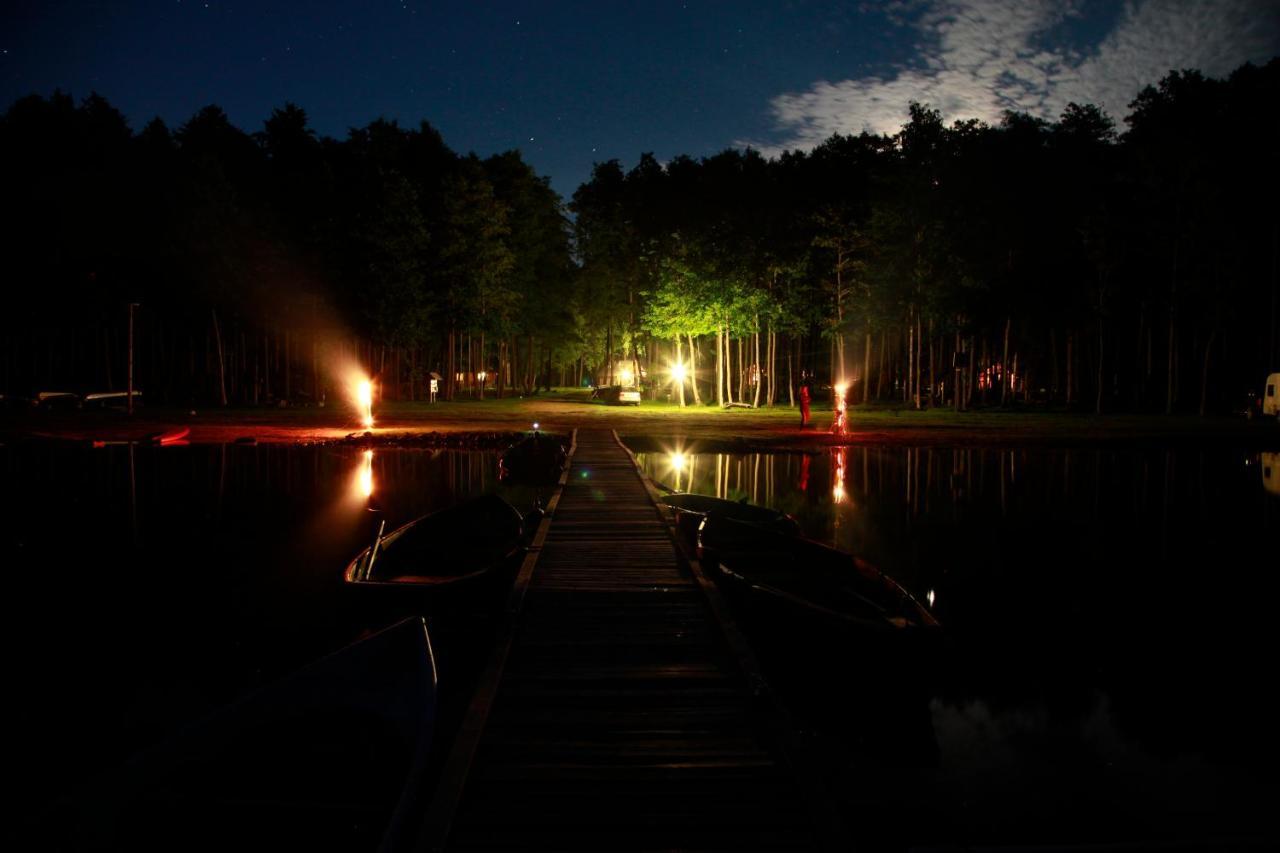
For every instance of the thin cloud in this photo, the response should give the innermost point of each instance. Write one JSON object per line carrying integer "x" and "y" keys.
{"x": 978, "y": 58}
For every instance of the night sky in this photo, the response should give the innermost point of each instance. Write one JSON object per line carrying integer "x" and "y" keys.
{"x": 573, "y": 83}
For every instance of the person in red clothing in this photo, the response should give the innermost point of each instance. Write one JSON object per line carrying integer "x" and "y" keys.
{"x": 804, "y": 401}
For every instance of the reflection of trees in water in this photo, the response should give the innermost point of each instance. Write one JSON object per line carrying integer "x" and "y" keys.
{"x": 1062, "y": 573}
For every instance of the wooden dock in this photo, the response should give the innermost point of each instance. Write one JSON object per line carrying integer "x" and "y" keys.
{"x": 621, "y": 709}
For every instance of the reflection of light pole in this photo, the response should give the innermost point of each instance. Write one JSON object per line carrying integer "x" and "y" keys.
{"x": 129, "y": 395}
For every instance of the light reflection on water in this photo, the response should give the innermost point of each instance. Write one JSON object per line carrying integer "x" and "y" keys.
{"x": 1111, "y": 643}
{"x": 1104, "y": 661}
{"x": 146, "y": 584}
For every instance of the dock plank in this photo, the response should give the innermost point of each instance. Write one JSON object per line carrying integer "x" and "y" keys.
{"x": 618, "y": 715}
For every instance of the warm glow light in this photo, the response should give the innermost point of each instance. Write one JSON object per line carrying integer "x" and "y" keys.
{"x": 838, "y": 465}
{"x": 535, "y": 425}
{"x": 626, "y": 376}
{"x": 678, "y": 372}
{"x": 839, "y": 424}
{"x": 364, "y": 397}
{"x": 678, "y": 461}
{"x": 364, "y": 480}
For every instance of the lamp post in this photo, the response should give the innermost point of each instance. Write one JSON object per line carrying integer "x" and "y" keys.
{"x": 129, "y": 389}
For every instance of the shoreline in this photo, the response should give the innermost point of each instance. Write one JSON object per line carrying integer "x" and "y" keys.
{"x": 476, "y": 424}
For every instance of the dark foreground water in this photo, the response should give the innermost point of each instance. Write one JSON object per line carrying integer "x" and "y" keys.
{"x": 1107, "y": 677}
{"x": 1109, "y": 670}
{"x": 146, "y": 586}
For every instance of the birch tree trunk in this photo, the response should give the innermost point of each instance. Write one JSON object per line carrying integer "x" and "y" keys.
{"x": 769, "y": 355}
{"x": 911, "y": 351}
{"x": 755, "y": 402}
{"x": 791, "y": 384}
{"x": 693, "y": 372}
{"x": 719, "y": 368}
{"x": 1004, "y": 363}
{"x": 222, "y": 365}
{"x": 933, "y": 384}
{"x": 451, "y": 367}
{"x": 919, "y": 351}
{"x": 679, "y": 382}
{"x": 866, "y": 370}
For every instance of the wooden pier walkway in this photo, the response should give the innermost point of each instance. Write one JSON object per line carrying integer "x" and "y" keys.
{"x": 619, "y": 711}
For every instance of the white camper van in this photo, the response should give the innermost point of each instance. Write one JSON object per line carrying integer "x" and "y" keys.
{"x": 1271, "y": 396}
{"x": 1271, "y": 472}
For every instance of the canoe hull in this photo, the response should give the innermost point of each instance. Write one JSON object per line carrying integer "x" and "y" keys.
{"x": 458, "y": 551}
{"x": 692, "y": 509}
{"x": 840, "y": 590}
{"x": 537, "y": 460}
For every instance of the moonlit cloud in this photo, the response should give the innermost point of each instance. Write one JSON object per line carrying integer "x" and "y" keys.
{"x": 978, "y": 58}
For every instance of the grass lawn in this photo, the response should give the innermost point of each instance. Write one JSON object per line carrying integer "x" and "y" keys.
{"x": 565, "y": 409}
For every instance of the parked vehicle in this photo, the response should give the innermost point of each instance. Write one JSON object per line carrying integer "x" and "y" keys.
{"x": 1270, "y": 464}
{"x": 1271, "y": 397}
{"x": 618, "y": 395}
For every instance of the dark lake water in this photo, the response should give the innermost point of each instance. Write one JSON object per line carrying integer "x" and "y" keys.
{"x": 147, "y": 585}
{"x": 1107, "y": 674}
{"x": 1109, "y": 660}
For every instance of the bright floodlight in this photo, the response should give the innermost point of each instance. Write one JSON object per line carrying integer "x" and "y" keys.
{"x": 625, "y": 376}
{"x": 364, "y": 396}
{"x": 535, "y": 425}
{"x": 678, "y": 372}
{"x": 678, "y": 461}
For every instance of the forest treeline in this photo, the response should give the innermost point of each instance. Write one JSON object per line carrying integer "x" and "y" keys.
{"x": 1069, "y": 263}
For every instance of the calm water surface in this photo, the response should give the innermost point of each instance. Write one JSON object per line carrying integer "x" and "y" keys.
{"x": 148, "y": 585}
{"x": 1107, "y": 675}
{"x": 1109, "y": 666}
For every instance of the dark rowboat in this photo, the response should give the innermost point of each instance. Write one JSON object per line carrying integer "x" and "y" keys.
{"x": 691, "y": 510}
{"x": 537, "y": 459}
{"x": 449, "y": 548}
{"x": 810, "y": 577}
{"x": 330, "y": 757}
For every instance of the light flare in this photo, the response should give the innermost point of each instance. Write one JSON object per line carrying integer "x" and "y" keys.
{"x": 839, "y": 459}
{"x": 364, "y": 476}
{"x": 364, "y": 399}
{"x": 678, "y": 372}
{"x": 839, "y": 421}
